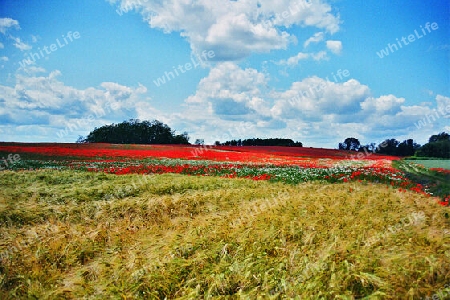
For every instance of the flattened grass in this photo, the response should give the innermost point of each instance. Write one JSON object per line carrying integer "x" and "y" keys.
{"x": 191, "y": 237}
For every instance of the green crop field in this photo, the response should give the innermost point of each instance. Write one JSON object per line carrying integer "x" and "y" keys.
{"x": 433, "y": 163}
{"x": 184, "y": 237}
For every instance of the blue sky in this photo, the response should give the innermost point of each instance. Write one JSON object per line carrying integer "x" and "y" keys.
{"x": 314, "y": 71}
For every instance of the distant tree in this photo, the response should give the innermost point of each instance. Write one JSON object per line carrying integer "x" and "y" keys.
{"x": 350, "y": 144}
{"x": 80, "y": 140}
{"x": 181, "y": 138}
{"x": 199, "y": 142}
{"x": 136, "y": 132}
{"x": 407, "y": 148}
{"x": 439, "y": 149}
{"x": 369, "y": 148}
{"x": 388, "y": 147}
{"x": 263, "y": 142}
{"x": 443, "y": 136}
{"x": 438, "y": 146}
{"x": 233, "y": 143}
{"x": 393, "y": 147}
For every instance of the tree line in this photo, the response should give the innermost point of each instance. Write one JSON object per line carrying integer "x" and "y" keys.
{"x": 438, "y": 146}
{"x": 135, "y": 131}
{"x": 261, "y": 142}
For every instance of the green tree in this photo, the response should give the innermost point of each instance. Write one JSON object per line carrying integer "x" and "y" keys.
{"x": 388, "y": 147}
{"x": 438, "y": 146}
{"x": 134, "y": 131}
{"x": 443, "y": 136}
{"x": 407, "y": 148}
{"x": 350, "y": 144}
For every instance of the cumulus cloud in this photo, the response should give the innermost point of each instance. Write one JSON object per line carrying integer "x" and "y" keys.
{"x": 321, "y": 55}
{"x": 46, "y": 102}
{"x": 294, "y": 60}
{"x": 319, "y": 108}
{"x": 317, "y": 37}
{"x": 229, "y": 87}
{"x": 335, "y": 46}
{"x": 7, "y": 23}
{"x": 19, "y": 44}
{"x": 231, "y": 102}
{"x": 314, "y": 97}
{"x": 228, "y": 98}
{"x": 234, "y": 29}
{"x": 387, "y": 103}
{"x": 443, "y": 105}
{"x": 314, "y": 110}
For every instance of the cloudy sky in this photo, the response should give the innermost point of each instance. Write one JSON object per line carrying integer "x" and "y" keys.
{"x": 315, "y": 71}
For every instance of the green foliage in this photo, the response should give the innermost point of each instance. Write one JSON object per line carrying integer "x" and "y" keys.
{"x": 437, "y": 183}
{"x": 136, "y": 132}
{"x": 350, "y": 144}
{"x": 443, "y": 136}
{"x": 262, "y": 142}
{"x": 437, "y": 146}
{"x": 429, "y": 162}
{"x": 394, "y": 147}
{"x": 439, "y": 149}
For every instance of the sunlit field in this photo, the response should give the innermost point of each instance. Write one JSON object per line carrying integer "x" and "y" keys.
{"x": 433, "y": 163}
{"x": 239, "y": 149}
{"x": 156, "y": 227}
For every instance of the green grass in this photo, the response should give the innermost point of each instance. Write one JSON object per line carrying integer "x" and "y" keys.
{"x": 186, "y": 237}
{"x": 437, "y": 183}
{"x": 433, "y": 163}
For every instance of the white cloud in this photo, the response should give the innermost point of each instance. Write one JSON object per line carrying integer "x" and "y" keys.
{"x": 318, "y": 108}
{"x": 7, "y": 23}
{"x": 314, "y": 97}
{"x": 321, "y": 107}
{"x": 335, "y": 46}
{"x": 294, "y": 60}
{"x": 32, "y": 70}
{"x": 19, "y": 44}
{"x": 47, "y": 103}
{"x": 317, "y": 37}
{"x": 234, "y": 29}
{"x": 4, "y": 58}
{"x": 231, "y": 91}
{"x": 415, "y": 110}
{"x": 388, "y": 103}
{"x": 35, "y": 38}
{"x": 228, "y": 100}
{"x": 230, "y": 103}
{"x": 443, "y": 105}
{"x": 322, "y": 55}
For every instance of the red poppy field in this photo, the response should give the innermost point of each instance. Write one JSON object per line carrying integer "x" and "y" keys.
{"x": 287, "y": 164}
{"x": 249, "y": 154}
{"x": 96, "y": 221}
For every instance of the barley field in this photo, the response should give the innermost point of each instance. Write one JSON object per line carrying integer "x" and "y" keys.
{"x": 195, "y": 237}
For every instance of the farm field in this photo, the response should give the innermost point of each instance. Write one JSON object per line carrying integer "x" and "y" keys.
{"x": 433, "y": 163}
{"x": 182, "y": 222}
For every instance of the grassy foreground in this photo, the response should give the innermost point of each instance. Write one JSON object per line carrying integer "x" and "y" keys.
{"x": 188, "y": 237}
{"x": 437, "y": 183}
